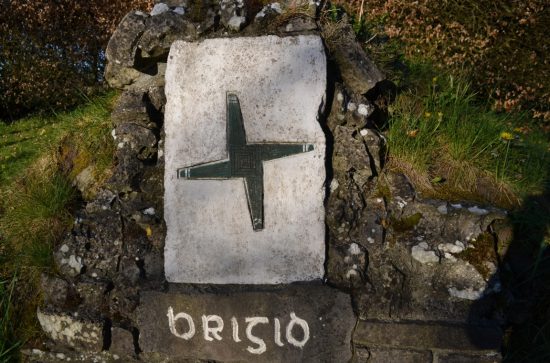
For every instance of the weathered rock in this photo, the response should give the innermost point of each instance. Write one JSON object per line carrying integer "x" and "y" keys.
{"x": 350, "y": 153}
{"x": 159, "y": 8}
{"x": 236, "y": 23}
{"x": 414, "y": 271}
{"x": 122, "y": 46}
{"x": 91, "y": 293}
{"x": 347, "y": 264}
{"x": 153, "y": 87}
{"x": 136, "y": 145}
{"x": 233, "y": 14}
{"x": 268, "y": 13}
{"x": 122, "y": 342}
{"x": 40, "y": 356}
{"x": 173, "y": 3}
{"x": 299, "y": 25}
{"x": 376, "y": 148}
{"x": 118, "y": 76}
{"x": 103, "y": 200}
{"x": 422, "y": 253}
{"x": 93, "y": 247}
{"x": 140, "y": 42}
{"x": 345, "y": 112}
{"x": 55, "y": 290}
{"x": 358, "y": 71}
{"x": 123, "y": 301}
{"x": 132, "y": 107}
{"x": 294, "y": 324}
{"x": 66, "y": 330}
{"x": 161, "y": 31}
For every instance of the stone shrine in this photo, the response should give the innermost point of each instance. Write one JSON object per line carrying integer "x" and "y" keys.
{"x": 250, "y": 204}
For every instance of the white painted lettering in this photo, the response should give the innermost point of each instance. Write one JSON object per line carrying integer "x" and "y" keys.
{"x": 212, "y": 326}
{"x": 214, "y": 330}
{"x": 252, "y": 322}
{"x": 278, "y": 333}
{"x": 305, "y": 328}
{"x": 235, "y": 327}
{"x": 172, "y": 324}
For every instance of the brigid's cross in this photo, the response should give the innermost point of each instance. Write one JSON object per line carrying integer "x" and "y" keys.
{"x": 245, "y": 161}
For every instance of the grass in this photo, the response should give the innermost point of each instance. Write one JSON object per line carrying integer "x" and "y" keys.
{"x": 8, "y": 342}
{"x": 454, "y": 147}
{"x": 23, "y": 141}
{"x": 41, "y": 158}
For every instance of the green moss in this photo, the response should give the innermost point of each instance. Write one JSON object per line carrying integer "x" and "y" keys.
{"x": 382, "y": 189}
{"x": 406, "y": 223}
{"x": 483, "y": 251}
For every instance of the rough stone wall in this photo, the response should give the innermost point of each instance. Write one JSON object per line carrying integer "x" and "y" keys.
{"x": 421, "y": 272}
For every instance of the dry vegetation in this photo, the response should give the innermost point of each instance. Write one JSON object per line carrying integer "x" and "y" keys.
{"x": 52, "y": 51}
{"x": 501, "y": 46}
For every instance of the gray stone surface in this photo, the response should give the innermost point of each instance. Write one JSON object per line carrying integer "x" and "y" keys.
{"x": 64, "y": 329}
{"x": 492, "y": 357}
{"x": 416, "y": 335}
{"x": 162, "y": 30}
{"x": 250, "y": 330}
{"x": 376, "y": 355}
{"x": 280, "y": 83}
{"x": 122, "y": 46}
{"x": 358, "y": 71}
{"x": 122, "y": 342}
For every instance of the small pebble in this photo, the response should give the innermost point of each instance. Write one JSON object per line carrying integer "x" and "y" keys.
{"x": 363, "y": 110}
{"x": 276, "y": 7}
{"x": 478, "y": 211}
{"x": 159, "y": 9}
{"x": 149, "y": 211}
{"x": 179, "y": 10}
{"x": 354, "y": 249}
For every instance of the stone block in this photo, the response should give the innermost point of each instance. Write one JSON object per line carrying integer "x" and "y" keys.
{"x": 279, "y": 85}
{"x": 492, "y": 357}
{"x": 358, "y": 71}
{"x": 376, "y": 355}
{"x": 293, "y": 324}
{"x": 122, "y": 342}
{"x": 66, "y": 330}
{"x": 418, "y": 335}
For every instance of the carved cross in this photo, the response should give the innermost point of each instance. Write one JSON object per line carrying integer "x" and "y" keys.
{"x": 245, "y": 161}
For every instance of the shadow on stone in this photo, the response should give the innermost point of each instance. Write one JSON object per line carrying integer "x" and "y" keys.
{"x": 525, "y": 273}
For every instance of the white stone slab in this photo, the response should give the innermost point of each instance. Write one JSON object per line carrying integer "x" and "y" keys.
{"x": 280, "y": 83}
